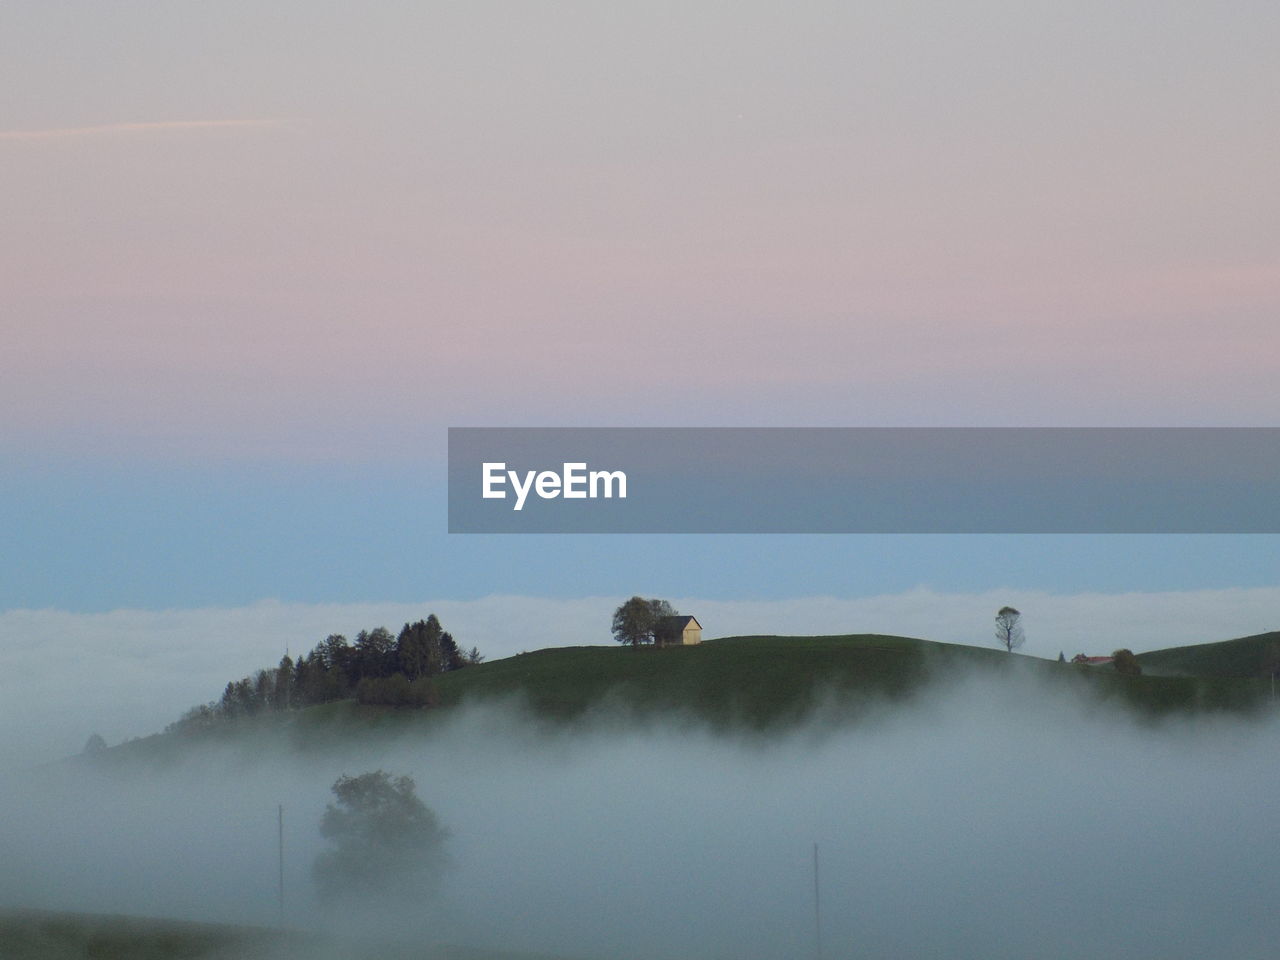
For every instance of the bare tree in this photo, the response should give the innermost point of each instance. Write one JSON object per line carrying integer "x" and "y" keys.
{"x": 1009, "y": 633}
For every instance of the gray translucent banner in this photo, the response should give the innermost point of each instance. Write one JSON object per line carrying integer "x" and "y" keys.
{"x": 864, "y": 480}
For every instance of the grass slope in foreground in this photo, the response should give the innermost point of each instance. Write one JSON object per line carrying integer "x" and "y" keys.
{"x": 44, "y": 935}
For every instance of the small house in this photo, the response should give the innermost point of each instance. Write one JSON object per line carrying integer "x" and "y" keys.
{"x": 678, "y": 631}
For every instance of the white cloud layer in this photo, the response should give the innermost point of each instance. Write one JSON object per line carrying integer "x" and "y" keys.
{"x": 128, "y": 673}
{"x": 993, "y": 821}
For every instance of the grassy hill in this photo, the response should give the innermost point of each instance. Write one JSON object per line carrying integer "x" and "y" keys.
{"x": 761, "y": 684}
{"x": 768, "y": 682}
{"x": 45, "y": 935}
{"x": 758, "y": 685}
{"x": 754, "y": 682}
{"x": 1240, "y": 658}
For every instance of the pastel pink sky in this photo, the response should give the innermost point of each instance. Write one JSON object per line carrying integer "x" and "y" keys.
{"x": 314, "y": 232}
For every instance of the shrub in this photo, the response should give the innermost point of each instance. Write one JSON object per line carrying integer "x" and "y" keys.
{"x": 1125, "y": 662}
{"x": 397, "y": 690}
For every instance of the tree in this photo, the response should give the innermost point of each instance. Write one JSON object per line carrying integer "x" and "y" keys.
{"x": 95, "y": 744}
{"x": 664, "y": 630}
{"x": 283, "y": 696}
{"x": 417, "y": 648}
{"x": 425, "y": 649}
{"x": 375, "y": 653}
{"x": 1009, "y": 633}
{"x": 384, "y": 841}
{"x": 640, "y": 621}
{"x": 633, "y": 622}
{"x": 451, "y": 657}
{"x": 1125, "y": 662}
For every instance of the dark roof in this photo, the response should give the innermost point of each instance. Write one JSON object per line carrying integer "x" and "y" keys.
{"x": 680, "y": 620}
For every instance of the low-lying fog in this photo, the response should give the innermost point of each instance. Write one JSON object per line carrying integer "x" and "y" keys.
{"x": 127, "y": 673}
{"x": 988, "y": 820}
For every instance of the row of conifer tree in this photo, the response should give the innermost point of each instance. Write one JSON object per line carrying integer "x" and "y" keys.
{"x": 376, "y": 668}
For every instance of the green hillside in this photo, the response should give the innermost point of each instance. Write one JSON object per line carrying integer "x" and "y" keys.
{"x": 1240, "y": 658}
{"x": 45, "y": 935}
{"x": 761, "y": 684}
{"x": 739, "y": 681}
{"x": 767, "y": 682}
{"x": 754, "y": 684}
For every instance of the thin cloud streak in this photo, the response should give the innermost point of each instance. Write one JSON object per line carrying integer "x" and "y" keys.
{"x": 149, "y": 126}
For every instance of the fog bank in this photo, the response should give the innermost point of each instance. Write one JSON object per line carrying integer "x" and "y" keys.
{"x": 990, "y": 820}
{"x": 128, "y": 673}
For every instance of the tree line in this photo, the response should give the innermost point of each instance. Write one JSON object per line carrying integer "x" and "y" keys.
{"x": 377, "y": 667}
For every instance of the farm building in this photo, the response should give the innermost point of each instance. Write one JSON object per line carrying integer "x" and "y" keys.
{"x": 678, "y": 631}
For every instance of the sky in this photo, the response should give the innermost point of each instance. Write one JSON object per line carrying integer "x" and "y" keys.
{"x": 257, "y": 261}
{"x": 258, "y": 258}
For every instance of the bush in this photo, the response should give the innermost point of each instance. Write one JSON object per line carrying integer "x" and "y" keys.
{"x": 384, "y": 843}
{"x": 1125, "y": 662}
{"x": 397, "y": 690}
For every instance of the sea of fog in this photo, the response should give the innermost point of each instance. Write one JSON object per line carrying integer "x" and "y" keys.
{"x": 989, "y": 819}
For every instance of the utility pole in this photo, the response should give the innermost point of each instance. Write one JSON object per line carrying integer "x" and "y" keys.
{"x": 280, "y": 848}
{"x": 817, "y": 908}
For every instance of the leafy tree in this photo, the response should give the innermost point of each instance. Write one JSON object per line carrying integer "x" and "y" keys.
{"x": 633, "y": 622}
{"x": 95, "y": 744}
{"x": 383, "y": 840}
{"x": 640, "y": 621}
{"x": 1125, "y": 662}
{"x": 1009, "y": 633}
{"x": 375, "y": 653}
